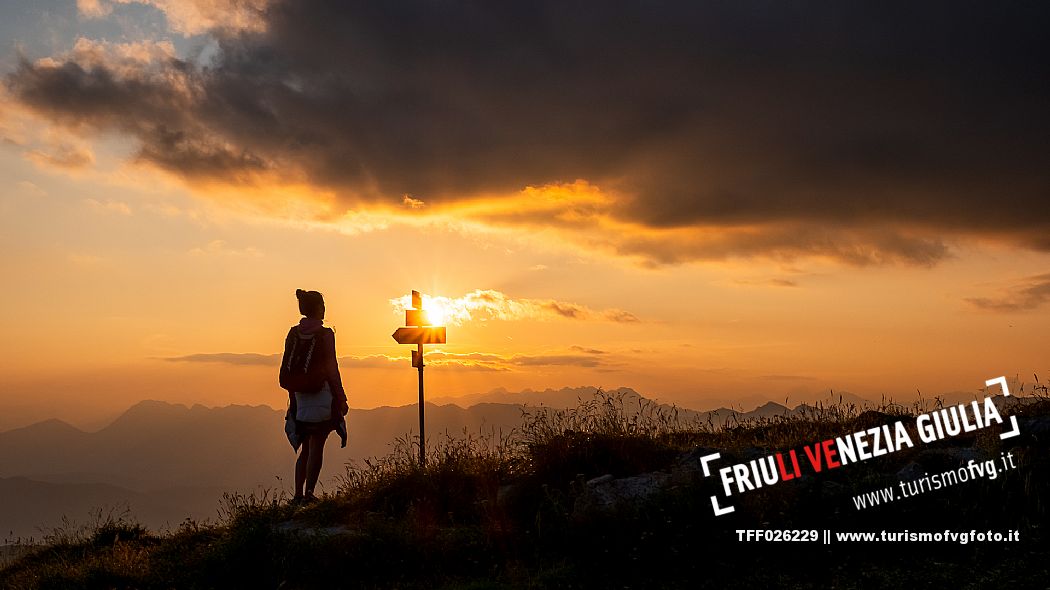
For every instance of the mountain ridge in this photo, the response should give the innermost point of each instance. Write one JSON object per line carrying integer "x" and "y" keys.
{"x": 156, "y": 446}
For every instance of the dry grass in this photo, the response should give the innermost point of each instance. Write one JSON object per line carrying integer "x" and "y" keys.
{"x": 498, "y": 509}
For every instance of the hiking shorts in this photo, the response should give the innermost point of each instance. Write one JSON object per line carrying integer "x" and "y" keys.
{"x": 323, "y": 428}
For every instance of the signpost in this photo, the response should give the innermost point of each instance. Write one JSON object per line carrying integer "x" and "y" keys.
{"x": 418, "y": 331}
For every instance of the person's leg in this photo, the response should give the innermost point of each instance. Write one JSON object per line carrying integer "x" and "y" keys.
{"x": 313, "y": 463}
{"x": 301, "y": 466}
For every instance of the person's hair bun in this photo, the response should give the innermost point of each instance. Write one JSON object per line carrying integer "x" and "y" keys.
{"x": 310, "y": 302}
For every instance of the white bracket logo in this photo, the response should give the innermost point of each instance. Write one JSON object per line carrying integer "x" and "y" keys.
{"x": 1013, "y": 419}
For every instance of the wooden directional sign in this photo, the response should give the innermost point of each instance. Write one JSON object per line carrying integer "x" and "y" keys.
{"x": 431, "y": 335}
{"x": 416, "y": 317}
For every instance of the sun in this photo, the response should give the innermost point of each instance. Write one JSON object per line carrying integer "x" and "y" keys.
{"x": 437, "y": 313}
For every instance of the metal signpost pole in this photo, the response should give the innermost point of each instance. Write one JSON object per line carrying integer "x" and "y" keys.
{"x": 422, "y": 430}
{"x": 418, "y": 331}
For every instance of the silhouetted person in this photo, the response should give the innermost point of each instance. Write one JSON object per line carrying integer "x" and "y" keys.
{"x": 316, "y": 400}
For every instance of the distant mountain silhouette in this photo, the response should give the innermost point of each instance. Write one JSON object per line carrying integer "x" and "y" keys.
{"x": 168, "y": 461}
{"x": 157, "y": 444}
{"x": 153, "y": 445}
{"x": 566, "y": 397}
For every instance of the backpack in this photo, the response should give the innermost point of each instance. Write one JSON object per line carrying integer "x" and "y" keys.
{"x": 302, "y": 368}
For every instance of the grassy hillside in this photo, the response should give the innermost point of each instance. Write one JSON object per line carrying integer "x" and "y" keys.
{"x": 594, "y": 497}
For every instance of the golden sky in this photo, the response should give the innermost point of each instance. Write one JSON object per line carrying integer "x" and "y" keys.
{"x": 707, "y": 220}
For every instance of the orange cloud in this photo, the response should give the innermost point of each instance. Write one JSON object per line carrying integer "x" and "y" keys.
{"x": 472, "y": 361}
{"x": 63, "y": 157}
{"x": 192, "y": 17}
{"x": 1025, "y": 295}
{"x": 111, "y": 206}
{"x": 483, "y": 305}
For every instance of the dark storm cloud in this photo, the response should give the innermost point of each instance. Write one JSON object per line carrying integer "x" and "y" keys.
{"x": 787, "y": 240}
{"x": 865, "y": 132}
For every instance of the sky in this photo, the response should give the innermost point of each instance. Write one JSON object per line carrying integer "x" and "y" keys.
{"x": 714, "y": 203}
